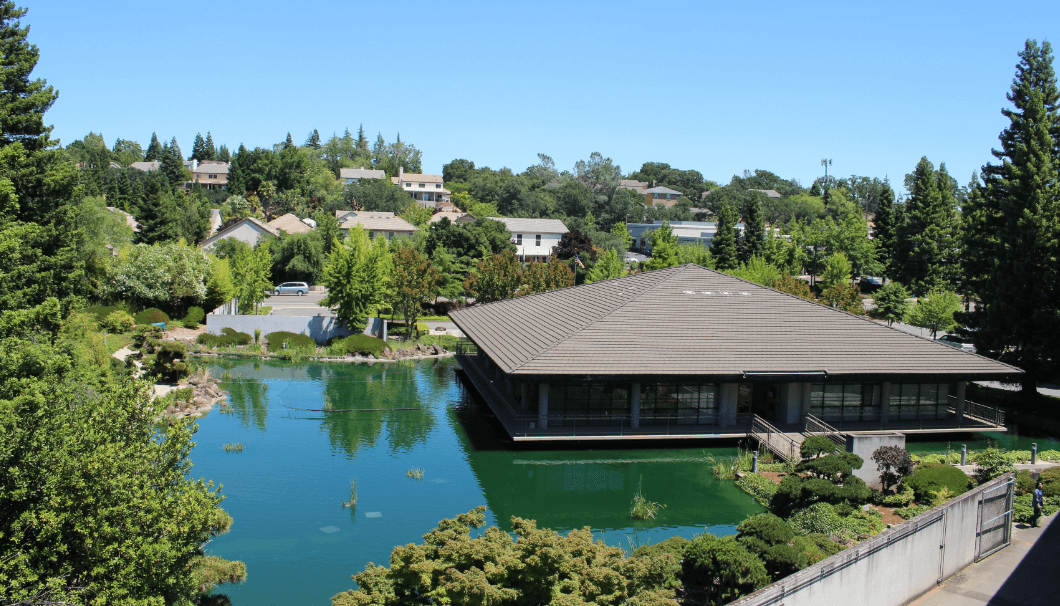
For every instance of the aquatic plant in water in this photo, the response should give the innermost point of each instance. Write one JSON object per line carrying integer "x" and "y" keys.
{"x": 353, "y": 495}
{"x": 642, "y": 508}
{"x": 415, "y": 472}
{"x": 230, "y": 447}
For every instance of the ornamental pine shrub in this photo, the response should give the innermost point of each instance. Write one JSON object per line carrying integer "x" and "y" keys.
{"x": 151, "y": 315}
{"x": 815, "y": 446}
{"x": 835, "y": 467}
{"x": 170, "y": 364}
{"x": 293, "y": 340}
{"x": 932, "y": 477}
{"x": 720, "y": 570}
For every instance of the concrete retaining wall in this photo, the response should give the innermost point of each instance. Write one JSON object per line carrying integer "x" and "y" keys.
{"x": 320, "y": 328}
{"x": 891, "y": 568}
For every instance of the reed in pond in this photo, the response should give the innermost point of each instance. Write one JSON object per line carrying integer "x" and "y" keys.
{"x": 353, "y": 495}
{"x": 415, "y": 472}
{"x": 230, "y": 447}
{"x": 642, "y": 508}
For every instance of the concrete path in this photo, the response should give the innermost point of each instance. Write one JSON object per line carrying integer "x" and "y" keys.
{"x": 450, "y": 328}
{"x": 1022, "y": 574}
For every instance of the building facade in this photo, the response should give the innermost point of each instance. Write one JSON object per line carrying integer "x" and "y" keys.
{"x": 535, "y": 239}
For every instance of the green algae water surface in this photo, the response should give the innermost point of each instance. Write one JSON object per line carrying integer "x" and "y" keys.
{"x": 301, "y": 451}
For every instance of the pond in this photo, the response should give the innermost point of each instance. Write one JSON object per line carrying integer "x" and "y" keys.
{"x": 285, "y": 489}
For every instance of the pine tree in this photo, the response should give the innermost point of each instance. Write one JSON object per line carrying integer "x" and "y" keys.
{"x": 723, "y": 246}
{"x": 223, "y": 154}
{"x": 154, "y": 150}
{"x": 24, "y": 100}
{"x": 1019, "y": 315}
{"x": 884, "y": 231}
{"x": 237, "y": 179}
{"x": 289, "y": 142}
{"x": 198, "y": 148}
{"x": 927, "y": 242}
{"x": 754, "y": 233}
{"x": 171, "y": 164}
{"x": 362, "y": 141}
{"x": 211, "y": 151}
{"x": 313, "y": 140}
{"x": 157, "y": 213}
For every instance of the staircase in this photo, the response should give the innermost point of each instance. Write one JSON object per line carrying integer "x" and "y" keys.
{"x": 817, "y": 427}
{"x": 784, "y": 445}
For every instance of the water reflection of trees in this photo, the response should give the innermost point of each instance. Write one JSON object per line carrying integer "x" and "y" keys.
{"x": 247, "y": 395}
{"x": 384, "y": 386}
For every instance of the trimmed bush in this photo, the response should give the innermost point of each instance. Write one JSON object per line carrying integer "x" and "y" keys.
{"x": 1024, "y": 482}
{"x": 992, "y": 463}
{"x": 358, "y": 344}
{"x": 833, "y": 467}
{"x": 1050, "y": 479}
{"x": 152, "y": 315}
{"x": 228, "y": 337}
{"x": 814, "y": 446}
{"x": 293, "y": 340}
{"x": 759, "y": 487}
{"x": 196, "y": 314}
{"x": 117, "y": 322}
{"x": 100, "y": 312}
{"x": 722, "y": 568}
{"x": 146, "y": 337}
{"x": 422, "y": 329}
{"x": 170, "y": 362}
{"x": 932, "y": 477}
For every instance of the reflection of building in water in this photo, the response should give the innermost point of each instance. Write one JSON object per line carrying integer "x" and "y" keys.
{"x": 687, "y": 352}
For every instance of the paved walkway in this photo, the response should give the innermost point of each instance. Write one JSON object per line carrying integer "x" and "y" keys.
{"x": 1022, "y": 574}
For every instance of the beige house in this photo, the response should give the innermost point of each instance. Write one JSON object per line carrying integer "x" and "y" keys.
{"x": 249, "y": 231}
{"x": 453, "y": 216}
{"x": 661, "y": 196}
{"x": 210, "y": 174}
{"x": 426, "y": 190}
{"x": 385, "y": 223}
{"x": 290, "y": 224}
{"x": 354, "y": 175}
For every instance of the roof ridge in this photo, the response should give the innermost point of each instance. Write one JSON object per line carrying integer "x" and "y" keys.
{"x": 621, "y": 305}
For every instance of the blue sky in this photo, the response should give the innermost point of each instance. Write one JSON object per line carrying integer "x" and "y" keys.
{"x": 719, "y": 87}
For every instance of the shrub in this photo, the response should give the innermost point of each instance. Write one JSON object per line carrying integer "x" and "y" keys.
{"x": 817, "y": 518}
{"x": 228, "y": 337}
{"x": 1025, "y": 482}
{"x": 195, "y": 314}
{"x": 893, "y": 463}
{"x": 146, "y": 337}
{"x": 100, "y": 312}
{"x": 1023, "y": 508}
{"x": 117, "y": 322}
{"x": 663, "y": 561}
{"x": 170, "y": 362}
{"x": 722, "y": 568}
{"x": 908, "y": 513}
{"x": 189, "y": 324}
{"x": 764, "y": 528}
{"x": 833, "y": 467}
{"x": 151, "y": 315}
{"x": 448, "y": 342}
{"x": 674, "y": 545}
{"x": 293, "y": 340}
{"x": 1050, "y": 479}
{"x": 950, "y": 458}
{"x": 992, "y": 463}
{"x": 900, "y": 499}
{"x": 797, "y": 493}
{"x": 362, "y": 344}
{"x": 815, "y": 446}
{"x": 1049, "y": 455}
{"x": 932, "y": 477}
{"x": 422, "y": 329}
{"x": 759, "y": 487}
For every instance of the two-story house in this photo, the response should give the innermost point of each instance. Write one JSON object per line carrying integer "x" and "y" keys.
{"x": 355, "y": 175}
{"x": 535, "y": 239}
{"x": 426, "y": 190}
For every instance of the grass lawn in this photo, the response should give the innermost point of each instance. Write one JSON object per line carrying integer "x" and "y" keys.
{"x": 116, "y": 342}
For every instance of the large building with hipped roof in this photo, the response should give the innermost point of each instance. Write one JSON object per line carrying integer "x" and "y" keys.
{"x": 688, "y": 352}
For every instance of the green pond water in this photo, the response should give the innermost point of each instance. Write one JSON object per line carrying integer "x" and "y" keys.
{"x": 285, "y": 489}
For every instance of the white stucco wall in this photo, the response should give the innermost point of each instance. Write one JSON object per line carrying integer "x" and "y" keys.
{"x": 529, "y": 248}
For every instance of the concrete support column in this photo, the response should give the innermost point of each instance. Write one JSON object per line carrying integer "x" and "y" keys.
{"x": 524, "y": 396}
{"x": 542, "y": 406}
{"x": 885, "y": 403}
{"x": 729, "y": 394}
{"x": 804, "y": 405}
{"x": 634, "y": 405}
{"x": 962, "y": 388}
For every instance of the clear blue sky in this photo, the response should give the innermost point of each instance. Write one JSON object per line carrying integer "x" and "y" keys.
{"x": 714, "y": 86}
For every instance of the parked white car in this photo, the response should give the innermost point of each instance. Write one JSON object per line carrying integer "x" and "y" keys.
{"x": 958, "y": 342}
{"x": 292, "y": 288}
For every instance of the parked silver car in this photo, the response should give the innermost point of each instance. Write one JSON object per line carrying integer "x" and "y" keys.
{"x": 292, "y": 288}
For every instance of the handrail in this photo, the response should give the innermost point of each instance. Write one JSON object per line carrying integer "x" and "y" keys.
{"x": 815, "y": 426}
{"x": 763, "y": 431}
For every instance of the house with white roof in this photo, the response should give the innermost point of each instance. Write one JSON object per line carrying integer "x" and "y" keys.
{"x": 354, "y": 175}
{"x": 535, "y": 239}
{"x": 375, "y": 223}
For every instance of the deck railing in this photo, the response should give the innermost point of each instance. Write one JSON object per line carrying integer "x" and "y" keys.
{"x": 778, "y": 442}
{"x": 817, "y": 427}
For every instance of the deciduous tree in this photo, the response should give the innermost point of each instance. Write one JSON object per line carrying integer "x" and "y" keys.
{"x": 935, "y": 310}
{"x": 892, "y": 303}
{"x": 356, "y": 274}
{"x": 414, "y": 282}
{"x": 494, "y": 278}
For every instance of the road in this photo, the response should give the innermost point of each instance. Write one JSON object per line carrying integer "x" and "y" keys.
{"x": 294, "y": 305}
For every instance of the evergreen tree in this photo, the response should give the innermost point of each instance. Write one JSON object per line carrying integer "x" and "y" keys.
{"x": 723, "y": 246}
{"x": 154, "y": 150}
{"x": 158, "y": 213}
{"x": 884, "y": 232}
{"x": 198, "y": 148}
{"x": 24, "y": 100}
{"x": 211, "y": 151}
{"x": 754, "y": 233}
{"x": 175, "y": 148}
{"x": 362, "y": 141}
{"x": 927, "y": 242}
{"x": 1019, "y": 315}
{"x": 223, "y": 154}
{"x": 313, "y": 140}
{"x": 123, "y": 191}
{"x": 172, "y": 165}
{"x": 289, "y": 142}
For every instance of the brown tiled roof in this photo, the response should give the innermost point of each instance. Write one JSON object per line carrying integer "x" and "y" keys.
{"x": 265, "y": 227}
{"x": 664, "y": 322}
{"x": 376, "y": 221}
{"x": 290, "y": 224}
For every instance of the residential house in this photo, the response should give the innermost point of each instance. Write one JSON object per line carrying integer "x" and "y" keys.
{"x": 386, "y": 223}
{"x": 249, "y": 230}
{"x": 210, "y": 174}
{"x": 291, "y": 224}
{"x": 688, "y": 352}
{"x": 454, "y": 217}
{"x": 354, "y": 175}
{"x": 661, "y": 196}
{"x": 426, "y": 190}
{"x": 640, "y": 187}
{"x": 535, "y": 239}
{"x": 687, "y": 232}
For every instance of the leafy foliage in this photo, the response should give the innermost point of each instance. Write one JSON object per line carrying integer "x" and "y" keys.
{"x": 991, "y": 463}
{"x": 495, "y": 278}
{"x": 721, "y": 570}
{"x": 759, "y": 487}
{"x": 935, "y": 311}
{"x": 281, "y": 340}
{"x": 893, "y": 463}
{"x": 413, "y": 282}
{"x": 117, "y": 322}
{"x": 932, "y": 477}
{"x": 358, "y": 344}
{"x": 1023, "y": 508}
{"x": 355, "y": 274}
{"x": 892, "y": 303}
{"x": 151, "y": 315}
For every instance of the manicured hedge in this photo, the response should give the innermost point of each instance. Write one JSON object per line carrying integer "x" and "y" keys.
{"x": 195, "y": 315}
{"x": 1050, "y": 479}
{"x": 117, "y": 322}
{"x": 362, "y": 344}
{"x": 227, "y": 337}
{"x": 151, "y": 315}
{"x": 293, "y": 341}
{"x": 932, "y": 477}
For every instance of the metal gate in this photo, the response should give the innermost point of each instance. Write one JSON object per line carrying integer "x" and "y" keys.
{"x": 994, "y": 528}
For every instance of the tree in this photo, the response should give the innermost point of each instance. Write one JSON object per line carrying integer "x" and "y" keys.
{"x": 198, "y": 148}
{"x": 251, "y": 268}
{"x": 288, "y": 142}
{"x": 158, "y": 213}
{"x": 575, "y": 243}
{"x": 723, "y": 246}
{"x": 90, "y": 513}
{"x": 495, "y": 278}
{"x": 663, "y": 248}
{"x": 793, "y": 286}
{"x": 893, "y": 463}
{"x": 210, "y": 150}
{"x": 154, "y": 149}
{"x": 927, "y": 242}
{"x": 459, "y": 171}
{"x": 754, "y": 228}
{"x": 329, "y": 230}
{"x": 171, "y": 164}
{"x": 313, "y": 140}
{"x": 935, "y": 310}
{"x": 722, "y": 568}
{"x": 843, "y": 296}
{"x": 223, "y": 154}
{"x": 24, "y": 101}
{"x": 1017, "y": 209}
{"x": 542, "y": 277}
{"x": 356, "y": 274}
{"x": 621, "y": 232}
{"x": 414, "y": 282}
{"x": 126, "y": 152}
{"x": 836, "y": 270}
{"x": 297, "y": 257}
{"x": 884, "y": 232}
{"x": 892, "y": 303}
{"x": 608, "y": 266}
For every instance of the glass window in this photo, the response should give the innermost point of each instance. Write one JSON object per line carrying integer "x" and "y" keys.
{"x": 519, "y": 239}
{"x": 538, "y": 240}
